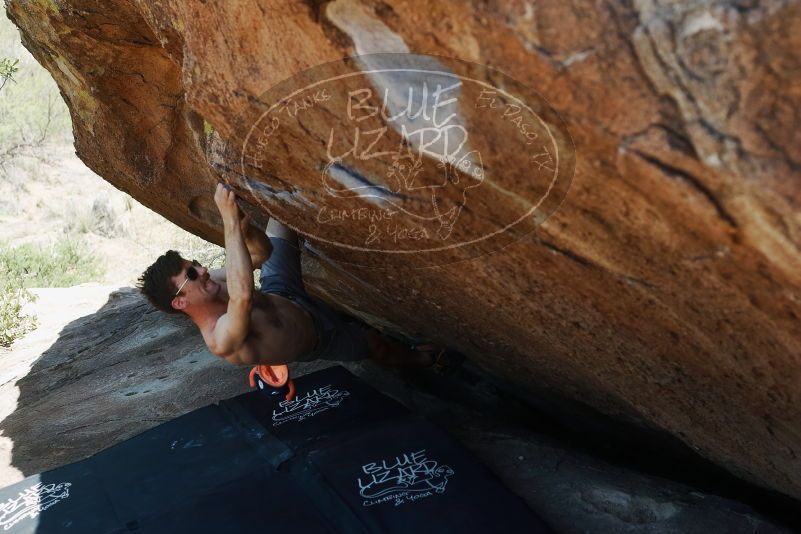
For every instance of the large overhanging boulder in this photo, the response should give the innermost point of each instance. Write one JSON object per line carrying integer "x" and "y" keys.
{"x": 666, "y": 289}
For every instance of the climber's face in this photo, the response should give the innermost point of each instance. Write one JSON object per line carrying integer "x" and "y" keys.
{"x": 195, "y": 286}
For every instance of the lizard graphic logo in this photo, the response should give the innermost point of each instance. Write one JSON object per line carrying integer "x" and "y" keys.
{"x": 406, "y": 478}
{"x": 308, "y": 405}
{"x": 31, "y": 502}
{"x": 428, "y": 158}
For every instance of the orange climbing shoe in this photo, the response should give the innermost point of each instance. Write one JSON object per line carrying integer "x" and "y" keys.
{"x": 273, "y": 381}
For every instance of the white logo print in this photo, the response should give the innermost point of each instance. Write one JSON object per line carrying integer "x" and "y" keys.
{"x": 31, "y": 502}
{"x": 405, "y": 478}
{"x": 308, "y": 405}
{"x": 415, "y": 117}
{"x": 425, "y": 156}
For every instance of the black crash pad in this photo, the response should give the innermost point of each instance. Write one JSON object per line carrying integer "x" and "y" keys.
{"x": 340, "y": 457}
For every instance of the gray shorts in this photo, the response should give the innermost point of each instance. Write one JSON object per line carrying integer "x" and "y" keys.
{"x": 337, "y": 339}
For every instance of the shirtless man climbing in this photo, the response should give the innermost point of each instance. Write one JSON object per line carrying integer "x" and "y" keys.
{"x": 278, "y": 324}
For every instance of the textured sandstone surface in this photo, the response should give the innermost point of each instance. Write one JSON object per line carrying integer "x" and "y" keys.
{"x": 665, "y": 290}
{"x": 103, "y": 367}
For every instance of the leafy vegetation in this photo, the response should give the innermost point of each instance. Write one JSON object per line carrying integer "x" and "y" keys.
{"x": 65, "y": 264}
{"x": 13, "y": 323}
{"x": 8, "y": 68}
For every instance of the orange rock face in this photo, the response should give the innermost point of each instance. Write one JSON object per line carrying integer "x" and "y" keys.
{"x": 666, "y": 289}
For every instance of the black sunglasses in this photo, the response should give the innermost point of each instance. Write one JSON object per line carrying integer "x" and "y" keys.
{"x": 191, "y": 274}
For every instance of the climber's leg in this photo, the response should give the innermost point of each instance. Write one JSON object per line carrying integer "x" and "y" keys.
{"x": 276, "y": 228}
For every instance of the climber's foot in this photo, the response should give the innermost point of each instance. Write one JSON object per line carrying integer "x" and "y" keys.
{"x": 440, "y": 360}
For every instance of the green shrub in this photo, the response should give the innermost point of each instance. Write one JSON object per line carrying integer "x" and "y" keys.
{"x": 12, "y": 298}
{"x": 8, "y": 68}
{"x": 65, "y": 264}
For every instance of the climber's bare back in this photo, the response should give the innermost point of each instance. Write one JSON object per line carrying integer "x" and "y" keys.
{"x": 280, "y": 331}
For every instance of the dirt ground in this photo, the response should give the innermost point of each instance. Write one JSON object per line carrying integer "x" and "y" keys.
{"x": 52, "y": 195}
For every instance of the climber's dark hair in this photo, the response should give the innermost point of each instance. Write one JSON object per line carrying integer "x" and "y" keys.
{"x": 155, "y": 282}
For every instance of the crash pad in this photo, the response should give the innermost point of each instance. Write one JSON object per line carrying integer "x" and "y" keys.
{"x": 339, "y": 457}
